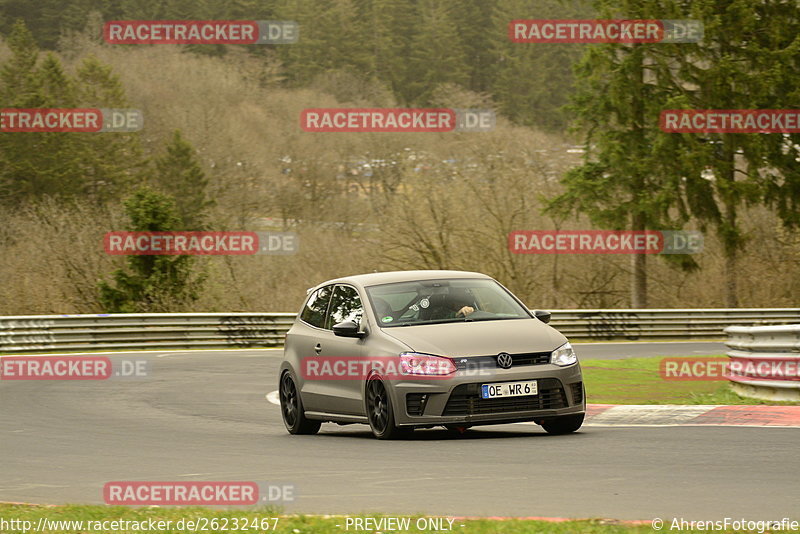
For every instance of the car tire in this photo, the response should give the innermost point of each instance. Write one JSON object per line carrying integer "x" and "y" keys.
{"x": 292, "y": 408}
{"x": 566, "y": 424}
{"x": 380, "y": 411}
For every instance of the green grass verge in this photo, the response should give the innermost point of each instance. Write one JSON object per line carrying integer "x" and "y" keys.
{"x": 637, "y": 381}
{"x": 263, "y": 520}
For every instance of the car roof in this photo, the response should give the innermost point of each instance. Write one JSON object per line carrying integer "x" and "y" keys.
{"x": 374, "y": 279}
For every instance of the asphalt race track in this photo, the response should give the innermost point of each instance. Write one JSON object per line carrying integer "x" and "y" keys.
{"x": 203, "y": 416}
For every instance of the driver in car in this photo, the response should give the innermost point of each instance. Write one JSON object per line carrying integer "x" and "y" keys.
{"x": 460, "y": 302}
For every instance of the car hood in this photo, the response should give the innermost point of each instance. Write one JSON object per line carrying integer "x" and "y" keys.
{"x": 479, "y": 338}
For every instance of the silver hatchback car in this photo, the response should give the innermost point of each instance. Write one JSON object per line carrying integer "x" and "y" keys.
{"x": 418, "y": 349}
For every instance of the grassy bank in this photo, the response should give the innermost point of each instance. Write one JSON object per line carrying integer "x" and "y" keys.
{"x": 637, "y": 381}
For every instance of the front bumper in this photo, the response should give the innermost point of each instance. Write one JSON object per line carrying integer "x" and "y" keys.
{"x": 456, "y": 399}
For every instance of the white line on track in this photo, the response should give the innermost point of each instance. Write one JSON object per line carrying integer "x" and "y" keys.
{"x": 272, "y": 397}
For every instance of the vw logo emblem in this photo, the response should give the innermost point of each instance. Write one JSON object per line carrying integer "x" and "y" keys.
{"x": 504, "y": 360}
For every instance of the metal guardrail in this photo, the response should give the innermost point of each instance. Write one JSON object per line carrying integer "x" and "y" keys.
{"x": 242, "y": 330}
{"x": 765, "y": 361}
{"x": 136, "y": 331}
{"x": 647, "y": 324}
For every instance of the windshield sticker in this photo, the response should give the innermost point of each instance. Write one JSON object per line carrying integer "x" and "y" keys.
{"x": 425, "y": 303}
{"x": 387, "y": 319}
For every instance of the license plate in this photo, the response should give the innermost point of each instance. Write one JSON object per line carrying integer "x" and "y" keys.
{"x": 509, "y": 389}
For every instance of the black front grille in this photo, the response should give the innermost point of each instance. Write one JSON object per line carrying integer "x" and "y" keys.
{"x": 415, "y": 403}
{"x": 466, "y": 400}
{"x": 577, "y": 392}
{"x": 531, "y": 358}
{"x": 486, "y": 362}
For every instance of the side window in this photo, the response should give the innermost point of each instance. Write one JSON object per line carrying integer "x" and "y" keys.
{"x": 316, "y": 306}
{"x": 345, "y": 306}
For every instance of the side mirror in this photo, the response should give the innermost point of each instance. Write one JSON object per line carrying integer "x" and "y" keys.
{"x": 347, "y": 329}
{"x": 542, "y": 315}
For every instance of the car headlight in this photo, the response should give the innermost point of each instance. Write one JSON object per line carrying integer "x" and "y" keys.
{"x": 563, "y": 355}
{"x": 414, "y": 363}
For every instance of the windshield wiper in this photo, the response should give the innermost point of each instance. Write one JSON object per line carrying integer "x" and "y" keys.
{"x": 456, "y": 320}
{"x": 493, "y": 318}
{"x": 437, "y": 321}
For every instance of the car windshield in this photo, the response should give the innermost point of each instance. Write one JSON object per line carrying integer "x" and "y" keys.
{"x": 442, "y": 301}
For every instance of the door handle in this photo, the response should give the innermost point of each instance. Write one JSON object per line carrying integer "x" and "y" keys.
{"x": 318, "y": 348}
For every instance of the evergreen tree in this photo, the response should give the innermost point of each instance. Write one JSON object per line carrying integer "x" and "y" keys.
{"x": 532, "y": 82}
{"x": 187, "y": 10}
{"x": 63, "y": 164}
{"x": 390, "y": 27}
{"x": 621, "y": 184}
{"x": 117, "y": 157}
{"x": 151, "y": 283}
{"x": 56, "y": 88}
{"x": 473, "y": 22}
{"x": 437, "y": 55}
{"x": 244, "y": 9}
{"x": 143, "y": 9}
{"x": 331, "y": 38}
{"x": 18, "y": 74}
{"x": 111, "y": 9}
{"x": 748, "y": 59}
{"x": 194, "y": 10}
{"x": 49, "y": 19}
{"x": 29, "y": 165}
{"x": 59, "y": 157}
{"x": 179, "y": 173}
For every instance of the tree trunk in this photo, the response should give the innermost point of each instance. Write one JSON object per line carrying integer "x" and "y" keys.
{"x": 731, "y": 280}
{"x": 731, "y": 240}
{"x": 638, "y": 269}
{"x": 639, "y": 218}
{"x": 639, "y": 281}
{"x": 730, "y": 247}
